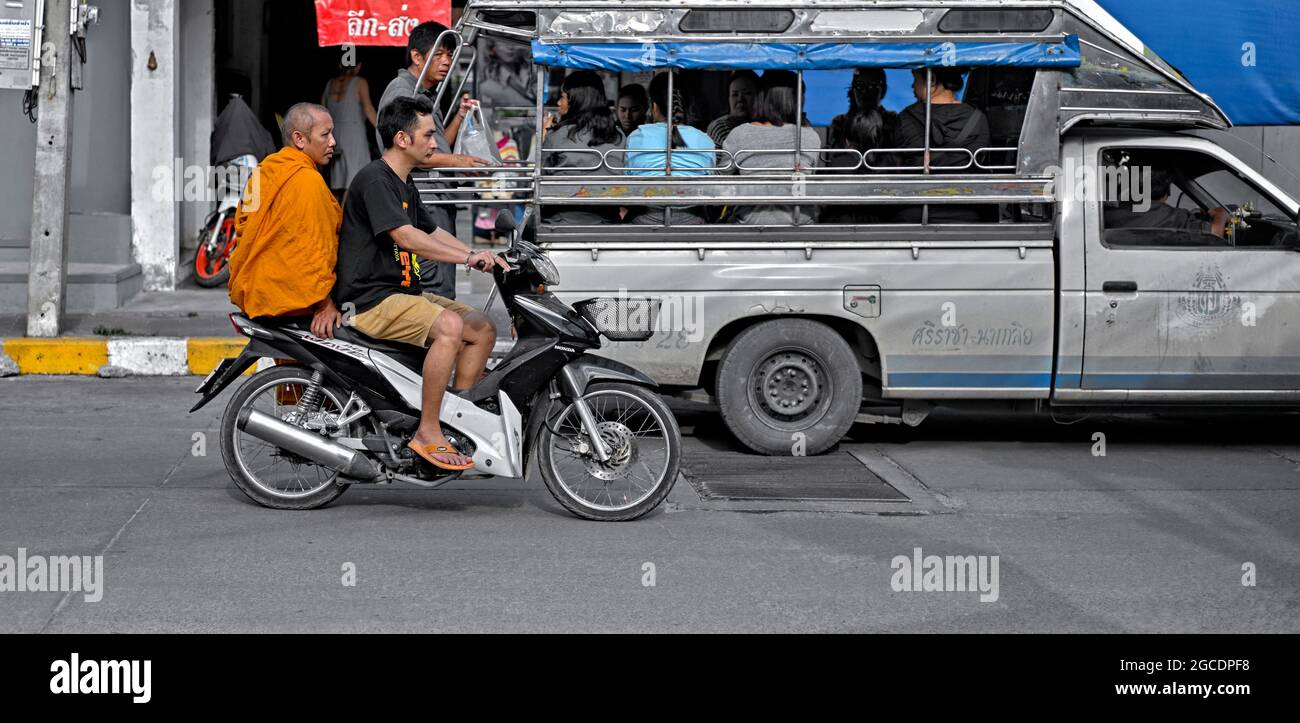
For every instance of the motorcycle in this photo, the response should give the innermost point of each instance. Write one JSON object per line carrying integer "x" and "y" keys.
{"x": 216, "y": 240}
{"x": 608, "y": 447}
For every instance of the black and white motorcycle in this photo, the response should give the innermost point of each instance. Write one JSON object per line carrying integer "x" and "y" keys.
{"x": 297, "y": 436}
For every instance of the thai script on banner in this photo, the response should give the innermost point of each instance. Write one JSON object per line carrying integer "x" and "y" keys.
{"x": 375, "y": 22}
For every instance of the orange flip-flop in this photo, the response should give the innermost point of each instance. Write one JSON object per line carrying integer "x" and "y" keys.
{"x": 426, "y": 453}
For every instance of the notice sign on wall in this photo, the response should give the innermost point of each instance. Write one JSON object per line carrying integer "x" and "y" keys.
{"x": 375, "y": 22}
{"x": 15, "y": 44}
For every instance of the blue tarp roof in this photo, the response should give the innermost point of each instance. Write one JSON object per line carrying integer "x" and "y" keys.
{"x": 1243, "y": 53}
{"x": 637, "y": 57}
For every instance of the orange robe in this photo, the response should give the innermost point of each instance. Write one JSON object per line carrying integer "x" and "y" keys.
{"x": 287, "y": 238}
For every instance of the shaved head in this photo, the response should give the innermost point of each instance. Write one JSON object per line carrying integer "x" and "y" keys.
{"x": 309, "y": 128}
{"x": 302, "y": 118}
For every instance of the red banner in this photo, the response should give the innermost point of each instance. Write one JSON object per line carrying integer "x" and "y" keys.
{"x": 375, "y": 22}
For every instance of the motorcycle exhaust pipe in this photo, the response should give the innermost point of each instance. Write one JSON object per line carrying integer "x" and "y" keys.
{"x": 305, "y": 443}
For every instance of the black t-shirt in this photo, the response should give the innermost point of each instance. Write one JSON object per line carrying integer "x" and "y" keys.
{"x": 371, "y": 267}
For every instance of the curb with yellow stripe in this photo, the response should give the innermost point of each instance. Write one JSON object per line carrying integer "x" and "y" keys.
{"x": 137, "y": 356}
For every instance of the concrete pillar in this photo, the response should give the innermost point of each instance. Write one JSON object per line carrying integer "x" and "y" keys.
{"x": 156, "y": 151}
{"x": 198, "y": 105}
{"x": 48, "y": 269}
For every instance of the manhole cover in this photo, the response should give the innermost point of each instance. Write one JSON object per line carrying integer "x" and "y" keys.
{"x": 727, "y": 475}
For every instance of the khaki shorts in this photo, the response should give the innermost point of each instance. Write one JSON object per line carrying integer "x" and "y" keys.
{"x": 406, "y": 317}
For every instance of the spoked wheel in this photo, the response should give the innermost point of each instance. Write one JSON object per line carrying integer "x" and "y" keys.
{"x": 645, "y": 452}
{"x": 270, "y": 476}
{"x": 212, "y": 260}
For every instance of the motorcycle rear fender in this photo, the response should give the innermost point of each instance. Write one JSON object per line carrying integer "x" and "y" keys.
{"x": 591, "y": 369}
{"x": 278, "y": 346}
{"x": 213, "y": 387}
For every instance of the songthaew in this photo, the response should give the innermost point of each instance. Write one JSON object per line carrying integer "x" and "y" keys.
{"x": 937, "y": 251}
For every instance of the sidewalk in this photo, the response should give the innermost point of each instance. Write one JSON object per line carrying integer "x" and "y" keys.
{"x": 167, "y": 333}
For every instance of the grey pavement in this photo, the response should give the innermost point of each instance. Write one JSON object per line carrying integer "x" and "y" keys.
{"x": 1150, "y": 538}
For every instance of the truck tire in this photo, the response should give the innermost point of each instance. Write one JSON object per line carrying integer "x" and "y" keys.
{"x": 785, "y": 378}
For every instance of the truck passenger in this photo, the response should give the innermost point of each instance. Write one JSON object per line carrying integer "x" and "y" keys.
{"x": 653, "y": 139}
{"x": 953, "y": 124}
{"x": 776, "y": 120}
{"x": 632, "y": 107}
{"x": 865, "y": 127}
{"x": 741, "y": 94}
{"x": 585, "y": 126}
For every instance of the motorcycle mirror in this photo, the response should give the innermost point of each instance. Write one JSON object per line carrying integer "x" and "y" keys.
{"x": 505, "y": 223}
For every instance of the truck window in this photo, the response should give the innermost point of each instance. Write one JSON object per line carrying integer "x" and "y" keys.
{"x": 1033, "y": 20}
{"x": 737, "y": 21}
{"x": 1160, "y": 198}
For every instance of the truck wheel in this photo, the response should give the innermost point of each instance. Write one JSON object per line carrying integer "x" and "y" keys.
{"x": 786, "y": 378}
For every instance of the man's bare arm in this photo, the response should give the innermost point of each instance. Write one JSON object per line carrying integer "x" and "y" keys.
{"x": 436, "y": 246}
{"x": 1219, "y": 218}
{"x": 453, "y": 160}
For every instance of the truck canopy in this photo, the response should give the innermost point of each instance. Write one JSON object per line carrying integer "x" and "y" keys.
{"x": 1104, "y": 73}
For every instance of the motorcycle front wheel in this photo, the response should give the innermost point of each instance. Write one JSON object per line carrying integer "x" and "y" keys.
{"x": 645, "y": 453}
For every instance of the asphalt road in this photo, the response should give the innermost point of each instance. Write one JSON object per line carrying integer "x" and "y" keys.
{"x": 1152, "y": 537}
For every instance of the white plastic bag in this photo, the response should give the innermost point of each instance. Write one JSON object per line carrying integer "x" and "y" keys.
{"x": 476, "y": 138}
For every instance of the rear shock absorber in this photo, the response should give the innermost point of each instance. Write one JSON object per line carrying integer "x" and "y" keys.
{"x": 311, "y": 398}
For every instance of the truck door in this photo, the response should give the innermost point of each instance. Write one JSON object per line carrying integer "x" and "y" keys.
{"x": 1183, "y": 303}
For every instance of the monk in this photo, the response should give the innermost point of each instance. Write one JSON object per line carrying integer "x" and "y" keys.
{"x": 288, "y": 228}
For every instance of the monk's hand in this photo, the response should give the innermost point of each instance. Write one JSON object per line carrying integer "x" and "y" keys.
{"x": 326, "y": 319}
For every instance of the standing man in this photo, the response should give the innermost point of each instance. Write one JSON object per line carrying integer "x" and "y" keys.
{"x": 435, "y": 278}
{"x": 384, "y": 227}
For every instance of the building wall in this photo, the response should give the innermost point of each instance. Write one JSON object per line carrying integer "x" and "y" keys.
{"x": 17, "y": 158}
{"x": 198, "y": 108}
{"x": 1282, "y": 144}
{"x": 101, "y": 121}
{"x": 99, "y": 175}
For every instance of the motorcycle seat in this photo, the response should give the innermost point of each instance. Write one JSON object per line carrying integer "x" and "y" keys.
{"x": 395, "y": 348}
{"x": 408, "y": 354}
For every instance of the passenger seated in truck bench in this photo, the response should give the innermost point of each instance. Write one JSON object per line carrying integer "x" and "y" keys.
{"x": 865, "y": 127}
{"x": 573, "y": 143}
{"x": 953, "y": 124}
{"x": 776, "y": 121}
{"x": 652, "y": 140}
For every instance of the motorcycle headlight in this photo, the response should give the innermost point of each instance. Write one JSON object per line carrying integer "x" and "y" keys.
{"x": 546, "y": 270}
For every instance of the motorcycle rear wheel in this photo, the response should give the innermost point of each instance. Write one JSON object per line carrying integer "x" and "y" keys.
{"x": 266, "y": 474}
